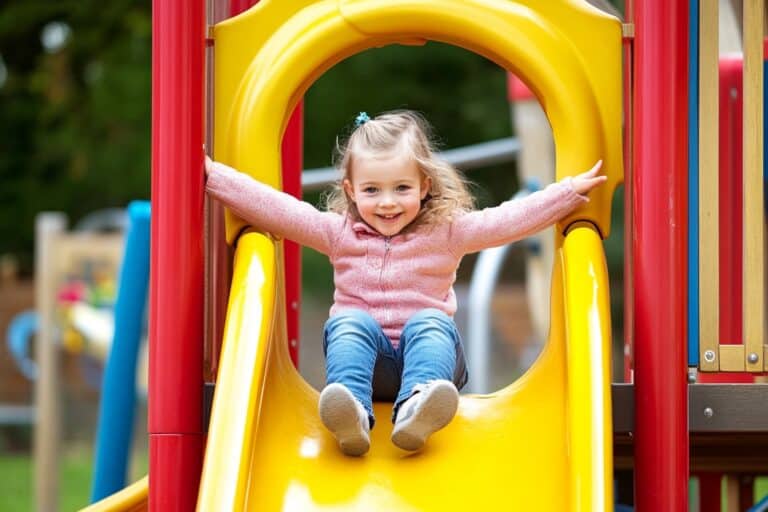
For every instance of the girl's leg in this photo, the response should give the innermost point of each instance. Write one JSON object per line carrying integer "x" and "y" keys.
{"x": 434, "y": 366}
{"x": 432, "y": 350}
{"x": 353, "y": 342}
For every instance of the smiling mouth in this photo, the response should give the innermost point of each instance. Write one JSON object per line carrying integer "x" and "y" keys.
{"x": 389, "y": 217}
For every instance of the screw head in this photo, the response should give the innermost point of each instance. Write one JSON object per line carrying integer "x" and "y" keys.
{"x": 753, "y": 358}
{"x": 708, "y": 412}
{"x": 709, "y": 356}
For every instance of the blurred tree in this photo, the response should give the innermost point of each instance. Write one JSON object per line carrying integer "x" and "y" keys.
{"x": 74, "y": 110}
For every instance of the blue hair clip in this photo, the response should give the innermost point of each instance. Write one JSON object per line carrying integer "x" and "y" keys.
{"x": 361, "y": 119}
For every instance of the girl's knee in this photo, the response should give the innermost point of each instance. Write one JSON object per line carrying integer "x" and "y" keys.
{"x": 430, "y": 325}
{"x": 351, "y": 324}
{"x": 355, "y": 317}
{"x": 431, "y": 316}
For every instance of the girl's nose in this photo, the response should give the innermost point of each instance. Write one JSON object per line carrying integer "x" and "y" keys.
{"x": 386, "y": 200}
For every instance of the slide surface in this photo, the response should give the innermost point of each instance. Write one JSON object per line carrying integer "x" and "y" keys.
{"x": 543, "y": 443}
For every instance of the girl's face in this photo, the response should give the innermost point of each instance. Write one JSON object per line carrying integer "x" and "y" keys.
{"x": 387, "y": 191}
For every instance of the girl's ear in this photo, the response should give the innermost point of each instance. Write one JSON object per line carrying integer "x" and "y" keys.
{"x": 349, "y": 189}
{"x": 425, "y": 186}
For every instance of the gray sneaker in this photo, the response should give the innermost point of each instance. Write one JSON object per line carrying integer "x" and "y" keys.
{"x": 346, "y": 418}
{"x": 432, "y": 406}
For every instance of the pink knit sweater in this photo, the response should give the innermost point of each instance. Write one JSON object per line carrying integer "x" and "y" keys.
{"x": 390, "y": 277}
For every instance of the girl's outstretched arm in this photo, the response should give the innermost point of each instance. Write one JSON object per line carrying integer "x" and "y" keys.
{"x": 271, "y": 210}
{"x": 517, "y": 219}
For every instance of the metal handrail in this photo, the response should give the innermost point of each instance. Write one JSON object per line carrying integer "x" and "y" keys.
{"x": 466, "y": 158}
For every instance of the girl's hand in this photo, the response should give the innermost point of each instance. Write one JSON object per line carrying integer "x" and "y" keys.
{"x": 586, "y": 181}
{"x": 208, "y": 165}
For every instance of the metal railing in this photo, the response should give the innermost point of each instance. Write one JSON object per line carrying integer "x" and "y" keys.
{"x": 465, "y": 158}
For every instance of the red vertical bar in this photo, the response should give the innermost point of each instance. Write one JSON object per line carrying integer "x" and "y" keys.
{"x": 709, "y": 492}
{"x": 659, "y": 185}
{"x": 627, "y": 105}
{"x": 292, "y": 167}
{"x": 746, "y": 491}
{"x": 730, "y": 200}
{"x": 176, "y": 297}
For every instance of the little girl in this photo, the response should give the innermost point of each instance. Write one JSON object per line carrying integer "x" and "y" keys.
{"x": 398, "y": 223}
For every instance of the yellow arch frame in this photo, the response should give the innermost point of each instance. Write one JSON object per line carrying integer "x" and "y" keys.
{"x": 568, "y": 53}
{"x": 264, "y": 414}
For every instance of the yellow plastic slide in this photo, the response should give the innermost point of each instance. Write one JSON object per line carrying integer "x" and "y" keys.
{"x": 543, "y": 443}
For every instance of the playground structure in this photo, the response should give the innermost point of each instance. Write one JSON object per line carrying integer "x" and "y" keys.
{"x": 77, "y": 309}
{"x": 264, "y": 441}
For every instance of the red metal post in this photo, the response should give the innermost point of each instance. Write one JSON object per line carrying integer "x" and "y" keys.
{"x": 176, "y": 297}
{"x": 659, "y": 184}
{"x": 293, "y": 142}
{"x": 730, "y": 207}
{"x": 627, "y": 105}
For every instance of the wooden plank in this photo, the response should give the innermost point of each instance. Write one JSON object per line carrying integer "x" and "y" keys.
{"x": 732, "y": 358}
{"x": 709, "y": 294}
{"x": 754, "y": 224}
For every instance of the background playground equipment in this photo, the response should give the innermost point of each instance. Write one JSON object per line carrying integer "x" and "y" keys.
{"x": 59, "y": 255}
{"x": 84, "y": 297}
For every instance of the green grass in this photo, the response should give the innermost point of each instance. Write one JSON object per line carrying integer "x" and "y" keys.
{"x": 75, "y": 474}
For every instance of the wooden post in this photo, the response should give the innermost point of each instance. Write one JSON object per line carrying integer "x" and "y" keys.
{"x": 754, "y": 223}
{"x": 48, "y": 226}
{"x": 709, "y": 263}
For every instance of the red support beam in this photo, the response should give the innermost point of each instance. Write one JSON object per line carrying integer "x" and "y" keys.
{"x": 176, "y": 279}
{"x": 659, "y": 194}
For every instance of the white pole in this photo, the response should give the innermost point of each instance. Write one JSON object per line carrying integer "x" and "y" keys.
{"x": 536, "y": 162}
{"x": 48, "y": 226}
{"x": 481, "y": 287}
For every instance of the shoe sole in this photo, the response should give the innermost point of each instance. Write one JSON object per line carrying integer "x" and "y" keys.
{"x": 436, "y": 411}
{"x": 338, "y": 412}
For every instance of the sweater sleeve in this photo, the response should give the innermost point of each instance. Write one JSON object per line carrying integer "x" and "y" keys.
{"x": 273, "y": 211}
{"x": 515, "y": 219}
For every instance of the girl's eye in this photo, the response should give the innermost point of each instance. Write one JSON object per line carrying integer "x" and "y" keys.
{"x": 403, "y": 188}
{"x": 370, "y": 190}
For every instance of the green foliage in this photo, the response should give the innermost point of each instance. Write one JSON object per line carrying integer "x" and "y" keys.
{"x": 74, "y": 123}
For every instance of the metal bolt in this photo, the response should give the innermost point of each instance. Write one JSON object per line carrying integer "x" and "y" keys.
{"x": 708, "y": 412}
{"x": 691, "y": 375}
{"x": 709, "y": 356}
{"x": 753, "y": 358}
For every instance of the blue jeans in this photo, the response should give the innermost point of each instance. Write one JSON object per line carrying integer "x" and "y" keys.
{"x": 359, "y": 356}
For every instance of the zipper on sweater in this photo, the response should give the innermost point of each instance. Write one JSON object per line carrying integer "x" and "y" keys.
{"x": 387, "y": 246}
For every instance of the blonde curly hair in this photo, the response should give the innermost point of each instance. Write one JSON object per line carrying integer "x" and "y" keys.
{"x": 396, "y": 131}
